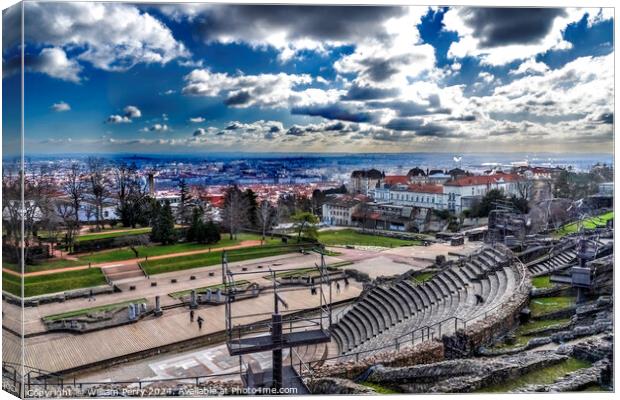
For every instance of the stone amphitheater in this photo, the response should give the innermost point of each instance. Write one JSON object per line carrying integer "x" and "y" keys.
{"x": 475, "y": 326}
{"x": 495, "y": 318}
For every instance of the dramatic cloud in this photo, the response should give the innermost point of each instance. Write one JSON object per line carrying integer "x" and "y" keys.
{"x": 264, "y": 90}
{"x": 289, "y": 29}
{"x": 501, "y": 35}
{"x": 60, "y": 106}
{"x": 110, "y": 36}
{"x": 52, "y": 61}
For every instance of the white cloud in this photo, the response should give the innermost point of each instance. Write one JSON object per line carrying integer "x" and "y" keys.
{"x": 132, "y": 112}
{"x": 197, "y": 120}
{"x": 118, "y": 119}
{"x": 129, "y": 113}
{"x": 530, "y": 66}
{"x": 60, "y": 106}
{"x": 54, "y": 62}
{"x": 264, "y": 90}
{"x": 156, "y": 128}
{"x": 110, "y": 36}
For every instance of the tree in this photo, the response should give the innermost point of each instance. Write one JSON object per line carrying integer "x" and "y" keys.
{"x": 525, "y": 189}
{"x": 305, "y": 224}
{"x": 132, "y": 194}
{"x": 235, "y": 212}
{"x": 184, "y": 211}
{"x": 98, "y": 187}
{"x": 66, "y": 211}
{"x": 252, "y": 208}
{"x": 266, "y": 216}
{"x": 75, "y": 187}
{"x": 163, "y": 225}
{"x": 561, "y": 187}
{"x": 212, "y": 232}
{"x": 487, "y": 203}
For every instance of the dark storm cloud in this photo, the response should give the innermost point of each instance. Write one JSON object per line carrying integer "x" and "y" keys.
{"x": 334, "y": 111}
{"x": 418, "y": 126}
{"x": 239, "y": 98}
{"x": 463, "y": 118}
{"x": 505, "y": 26}
{"x": 356, "y": 92}
{"x": 296, "y": 131}
{"x": 605, "y": 118}
{"x": 334, "y": 23}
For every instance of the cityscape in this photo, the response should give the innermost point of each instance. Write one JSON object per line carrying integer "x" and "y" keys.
{"x": 214, "y": 199}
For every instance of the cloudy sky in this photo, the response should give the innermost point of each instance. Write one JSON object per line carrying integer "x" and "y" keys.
{"x": 190, "y": 78}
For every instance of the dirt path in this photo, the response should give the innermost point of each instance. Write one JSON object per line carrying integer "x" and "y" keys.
{"x": 243, "y": 244}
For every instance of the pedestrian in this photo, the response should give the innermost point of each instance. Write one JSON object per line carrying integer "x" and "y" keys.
{"x": 191, "y": 315}
{"x": 90, "y": 295}
{"x": 346, "y": 282}
{"x": 200, "y": 321}
{"x": 337, "y": 287}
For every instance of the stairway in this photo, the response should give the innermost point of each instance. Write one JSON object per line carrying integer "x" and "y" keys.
{"x": 118, "y": 273}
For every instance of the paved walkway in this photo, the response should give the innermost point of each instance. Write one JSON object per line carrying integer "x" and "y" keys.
{"x": 61, "y": 352}
{"x": 243, "y": 244}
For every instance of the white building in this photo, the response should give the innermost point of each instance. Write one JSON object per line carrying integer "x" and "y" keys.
{"x": 414, "y": 195}
{"x": 340, "y": 210}
{"x": 463, "y": 192}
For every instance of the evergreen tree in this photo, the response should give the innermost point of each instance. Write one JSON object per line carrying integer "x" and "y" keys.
{"x": 212, "y": 232}
{"x": 252, "y": 204}
{"x": 184, "y": 210}
{"x": 163, "y": 225}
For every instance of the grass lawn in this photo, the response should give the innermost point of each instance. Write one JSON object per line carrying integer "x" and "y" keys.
{"x": 542, "y": 282}
{"x": 107, "y": 235}
{"x": 214, "y": 258}
{"x": 178, "y": 295}
{"x": 126, "y": 253}
{"x": 590, "y": 223}
{"x": 546, "y": 305}
{"x": 60, "y": 282}
{"x": 85, "y": 311}
{"x": 423, "y": 277}
{"x": 533, "y": 326}
{"x": 346, "y": 237}
{"x": 380, "y": 389}
{"x": 539, "y": 376}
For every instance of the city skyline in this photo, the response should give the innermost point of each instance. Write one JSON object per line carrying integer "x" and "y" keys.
{"x": 196, "y": 78}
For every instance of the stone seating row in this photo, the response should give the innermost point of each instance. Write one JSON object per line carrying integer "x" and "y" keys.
{"x": 390, "y": 311}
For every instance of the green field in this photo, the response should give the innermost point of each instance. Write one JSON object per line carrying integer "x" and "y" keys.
{"x": 126, "y": 253}
{"x": 107, "y": 235}
{"x": 423, "y": 277}
{"x": 590, "y": 223}
{"x": 380, "y": 389}
{"x": 178, "y": 295}
{"x": 85, "y": 311}
{"x": 214, "y": 258}
{"x": 546, "y": 305}
{"x": 350, "y": 237}
{"x": 542, "y": 282}
{"x": 53, "y": 283}
{"x": 541, "y": 376}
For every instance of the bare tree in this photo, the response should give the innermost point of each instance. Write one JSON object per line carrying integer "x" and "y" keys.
{"x": 98, "y": 187}
{"x": 132, "y": 195}
{"x": 525, "y": 189}
{"x": 66, "y": 211}
{"x": 75, "y": 187}
{"x": 234, "y": 214}
{"x": 266, "y": 216}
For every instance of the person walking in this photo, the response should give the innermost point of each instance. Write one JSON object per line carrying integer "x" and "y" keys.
{"x": 191, "y": 315}
{"x": 200, "y": 321}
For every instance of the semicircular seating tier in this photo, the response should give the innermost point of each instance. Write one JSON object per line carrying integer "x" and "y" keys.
{"x": 389, "y": 312}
